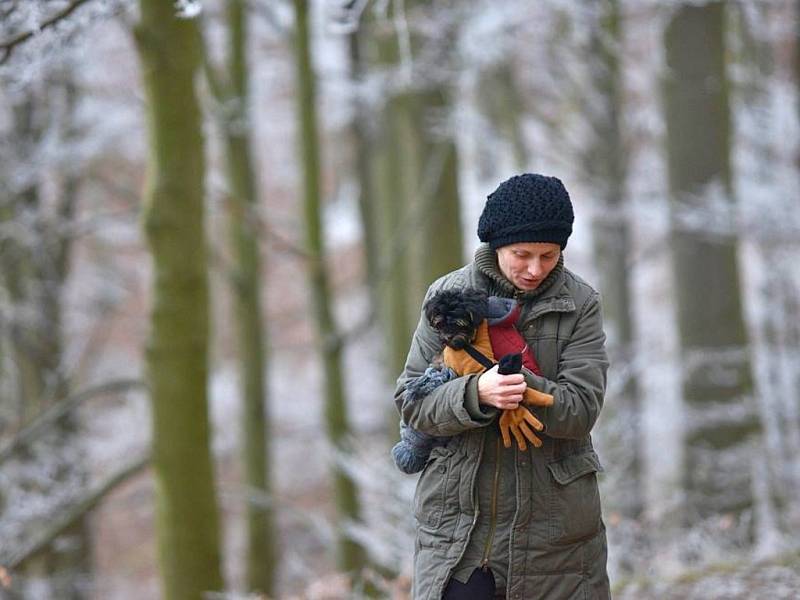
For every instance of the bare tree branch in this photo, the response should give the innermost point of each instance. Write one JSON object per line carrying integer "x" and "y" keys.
{"x": 61, "y": 408}
{"x": 282, "y": 242}
{"x": 7, "y": 12}
{"x": 66, "y": 518}
{"x": 7, "y": 47}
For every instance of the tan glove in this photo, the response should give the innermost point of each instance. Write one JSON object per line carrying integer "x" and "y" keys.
{"x": 516, "y": 422}
{"x": 534, "y": 397}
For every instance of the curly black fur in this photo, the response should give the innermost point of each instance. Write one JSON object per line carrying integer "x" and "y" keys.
{"x": 456, "y": 314}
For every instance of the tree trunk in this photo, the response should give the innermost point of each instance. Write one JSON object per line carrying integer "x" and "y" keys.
{"x": 415, "y": 166}
{"x": 437, "y": 190}
{"x": 396, "y": 167}
{"x": 605, "y": 164}
{"x": 69, "y": 557}
{"x": 502, "y": 104}
{"x": 777, "y": 381}
{"x": 362, "y": 148}
{"x": 177, "y": 349}
{"x": 262, "y": 554}
{"x": 35, "y": 270}
{"x": 22, "y": 274}
{"x": 720, "y": 422}
{"x": 605, "y": 167}
{"x": 350, "y": 554}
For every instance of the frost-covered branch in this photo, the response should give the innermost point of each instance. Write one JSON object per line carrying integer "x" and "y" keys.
{"x": 7, "y": 47}
{"x": 60, "y": 409}
{"x": 66, "y": 518}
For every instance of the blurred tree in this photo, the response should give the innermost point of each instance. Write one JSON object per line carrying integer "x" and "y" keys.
{"x": 605, "y": 163}
{"x": 777, "y": 384}
{"x": 392, "y": 169}
{"x": 350, "y": 555}
{"x": 360, "y": 138}
{"x": 32, "y": 277}
{"x": 231, "y": 93}
{"x": 440, "y": 246}
{"x": 394, "y": 164}
{"x": 414, "y": 165}
{"x": 428, "y": 71}
{"x": 35, "y": 264}
{"x": 720, "y": 421}
{"x": 793, "y": 300}
{"x": 177, "y": 351}
{"x": 502, "y": 103}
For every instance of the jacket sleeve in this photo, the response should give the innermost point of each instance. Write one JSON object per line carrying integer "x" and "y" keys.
{"x": 451, "y": 408}
{"x": 580, "y": 387}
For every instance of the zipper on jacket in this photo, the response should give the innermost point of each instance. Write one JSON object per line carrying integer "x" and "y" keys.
{"x": 476, "y": 508}
{"x": 493, "y": 522}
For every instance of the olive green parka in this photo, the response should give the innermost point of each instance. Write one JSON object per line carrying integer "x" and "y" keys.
{"x": 553, "y": 536}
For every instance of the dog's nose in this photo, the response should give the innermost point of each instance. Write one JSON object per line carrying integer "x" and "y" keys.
{"x": 458, "y": 343}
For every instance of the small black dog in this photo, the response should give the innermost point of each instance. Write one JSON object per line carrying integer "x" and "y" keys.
{"x": 456, "y": 314}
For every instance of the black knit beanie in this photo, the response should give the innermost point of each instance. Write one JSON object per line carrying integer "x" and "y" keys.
{"x": 527, "y": 208}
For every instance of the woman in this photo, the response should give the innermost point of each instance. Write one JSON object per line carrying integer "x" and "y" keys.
{"x": 495, "y": 521}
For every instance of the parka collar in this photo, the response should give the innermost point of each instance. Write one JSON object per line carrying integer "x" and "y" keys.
{"x": 553, "y": 285}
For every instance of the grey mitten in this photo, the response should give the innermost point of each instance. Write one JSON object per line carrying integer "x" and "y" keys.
{"x": 412, "y": 451}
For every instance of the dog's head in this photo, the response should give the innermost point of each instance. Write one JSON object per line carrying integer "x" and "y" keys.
{"x": 456, "y": 314}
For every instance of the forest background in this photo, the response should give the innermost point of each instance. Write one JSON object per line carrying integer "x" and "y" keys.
{"x": 217, "y": 223}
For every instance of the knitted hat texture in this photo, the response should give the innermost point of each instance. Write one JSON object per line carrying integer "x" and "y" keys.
{"x": 527, "y": 208}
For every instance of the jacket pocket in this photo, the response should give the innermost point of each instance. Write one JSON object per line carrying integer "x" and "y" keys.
{"x": 574, "y": 498}
{"x": 429, "y": 496}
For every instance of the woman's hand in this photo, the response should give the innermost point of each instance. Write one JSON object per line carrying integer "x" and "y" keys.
{"x": 501, "y": 391}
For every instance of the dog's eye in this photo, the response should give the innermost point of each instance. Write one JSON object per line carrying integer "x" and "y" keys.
{"x": 437, "y": 320}
{"x": 462, "y": 322}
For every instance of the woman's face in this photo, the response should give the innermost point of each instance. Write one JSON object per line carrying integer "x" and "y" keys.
{"x": 527, "y": 264}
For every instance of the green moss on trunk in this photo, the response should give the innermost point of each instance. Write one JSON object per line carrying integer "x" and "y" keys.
{"x": 714, "y": 343}
{"x": 350, "y": 556}
{"x": 261, "y": 559}
{"x": 177, "y": 348}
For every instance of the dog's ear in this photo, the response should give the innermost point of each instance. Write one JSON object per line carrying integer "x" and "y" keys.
{"x": 436, "y": 307}
{"x": 430, "y": 309}
{"x": 476, "y": 302}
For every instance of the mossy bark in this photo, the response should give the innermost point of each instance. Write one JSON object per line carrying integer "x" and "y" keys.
{"x": 362, "y": 149}
{"x": 261, "y": 559}
{"x": 396, "y": 168}
{"x": 187, "y": 521}
{"x": 350, "y": 555}
{"x": 414, "y": 162}
{"x": 501, "y": 102}
{"x": 605, "y": 164}
{"x": 441, "y": 242}
{"x": 717, "y": 375}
